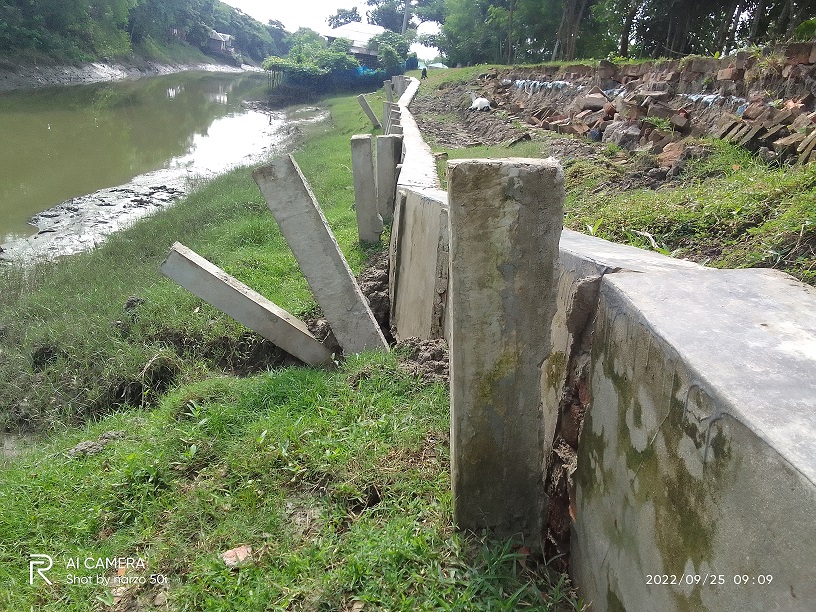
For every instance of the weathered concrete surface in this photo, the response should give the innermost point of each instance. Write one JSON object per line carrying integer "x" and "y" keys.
{"x": 649, "y": 500}
{"x": 698, "y": 456}
{"x": 391, "y": 116}
{"x": 420, "y": 262}
{"x": 505, "y": 222}
{"x": 302, "y": 223}
{"x": 389, "y": 90}
{"x": 389, "y": 155}
{"x": 369, "y": 221}
{"x": 418, "y": 165}
{"x": 216, "y": 287}
{"x": 581, "y": 259}
{"x": 367, "y": 110}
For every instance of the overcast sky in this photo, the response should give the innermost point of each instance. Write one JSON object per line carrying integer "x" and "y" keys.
{"x": 294, "y": 14}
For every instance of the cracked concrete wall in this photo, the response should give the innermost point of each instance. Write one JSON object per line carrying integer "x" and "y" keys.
{"x": 698, "y": 455}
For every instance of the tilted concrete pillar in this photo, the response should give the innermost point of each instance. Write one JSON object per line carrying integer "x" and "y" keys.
{"x": 369, "y": 222}
{"x": 307, "y": 232}
{"x": 389, "y": 154}
{"x": 505, "y": 219}
{"x": 367, "y": 110}
{"x": 213, "y": 285}
{"x": 389, "y": 91}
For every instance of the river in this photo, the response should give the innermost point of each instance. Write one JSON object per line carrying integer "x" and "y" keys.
{"x": 81, "y": 161}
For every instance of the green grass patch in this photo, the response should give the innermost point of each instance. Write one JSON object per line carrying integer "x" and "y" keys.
{"x": 731, "y": 211}
{"x": 339, "y": 481}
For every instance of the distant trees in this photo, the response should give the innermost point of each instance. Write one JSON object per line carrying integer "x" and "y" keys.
{"x": 390, "y": 14}
{"x": 344, "y": 16}
{"x": 473, "y": 31}
{"x": 89, "y": 29}
{"x": 496, "y": 31}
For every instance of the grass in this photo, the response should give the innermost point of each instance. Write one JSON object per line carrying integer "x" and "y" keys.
{"x": 338, "y": 480}
{"x": 731, "y": 211}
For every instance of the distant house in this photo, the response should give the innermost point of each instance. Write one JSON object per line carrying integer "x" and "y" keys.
{"x": 359, "y": 34}
{"x": 220, "y": 43}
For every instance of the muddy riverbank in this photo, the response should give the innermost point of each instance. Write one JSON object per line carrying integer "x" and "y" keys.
{"x": 33, "y": 74}
{"x": 83, "y": 222}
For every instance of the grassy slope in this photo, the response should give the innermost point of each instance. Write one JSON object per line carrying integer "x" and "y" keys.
{"x": 70, "y": 310}
{"x": 338, "y": 480}
{"x": 731, "y": 209}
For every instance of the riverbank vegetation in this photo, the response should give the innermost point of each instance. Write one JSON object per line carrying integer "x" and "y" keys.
{"x": 529, "y": 31}
{"x": 125, "y": 30}
{"x": 337, "y": 480}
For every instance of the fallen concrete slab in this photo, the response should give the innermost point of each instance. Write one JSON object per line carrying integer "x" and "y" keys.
{"x": 307, "y": 232}
{"x": 367, "y": 110}
{"x": 230, "y": 296}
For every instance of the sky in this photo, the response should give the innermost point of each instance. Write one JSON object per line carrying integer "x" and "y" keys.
{"x": 294, "y": 14}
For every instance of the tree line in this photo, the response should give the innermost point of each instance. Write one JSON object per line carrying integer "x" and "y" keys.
{"x": 84, "y": 30}
{"x": 472, "y": 31}
{"x": 527, "y": 31}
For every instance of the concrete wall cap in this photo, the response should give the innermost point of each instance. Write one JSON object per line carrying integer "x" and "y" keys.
{"x": 749, "y": 335}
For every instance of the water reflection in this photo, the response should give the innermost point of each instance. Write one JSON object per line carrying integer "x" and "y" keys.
{"x": 65, "y": 142}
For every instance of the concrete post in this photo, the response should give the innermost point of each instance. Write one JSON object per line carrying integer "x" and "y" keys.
{"x": 389, "y": 91}
{"x": 505, "y": 219}
{"x": 367, "y": 110}
{"x": 386, "y": 122}
{"x": 369, "y": 222}
{"x": 213, "y": 285}
{"x": 396, "y": 129}
{"x": 302, "y": 223}
{"x": 389, "y": 154}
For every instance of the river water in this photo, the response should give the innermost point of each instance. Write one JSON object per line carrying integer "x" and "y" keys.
{"x": 80, "y": 161}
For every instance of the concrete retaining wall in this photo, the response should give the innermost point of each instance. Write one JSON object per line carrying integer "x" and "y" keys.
{"x": 697, "y": 458}
{"x": 684, "y": 444}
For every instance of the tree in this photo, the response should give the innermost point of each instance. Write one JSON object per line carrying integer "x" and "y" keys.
{"x": 397, "y": 42}
{"x": 386, "y": 13}
{"x": 344, "y": 16}
{"x": 569, "y": 28}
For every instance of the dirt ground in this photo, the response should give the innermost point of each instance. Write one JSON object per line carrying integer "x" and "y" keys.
{"x": 445, "y": 121}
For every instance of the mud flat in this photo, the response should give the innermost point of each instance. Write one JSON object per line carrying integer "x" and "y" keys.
{"x": 83, "y": 222}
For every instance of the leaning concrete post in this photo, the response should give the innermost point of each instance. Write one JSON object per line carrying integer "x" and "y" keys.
{"x": 396, "y": 129}
{"x": 213, "y": 285}
{"x": 505, "y": 220}
{"x": 307, "y": 232}
{"x": 367, "y": 110}
{"x": 369, "y": 222}
{"x": 389, "y": 91}
{"x": 389, "y": 154}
